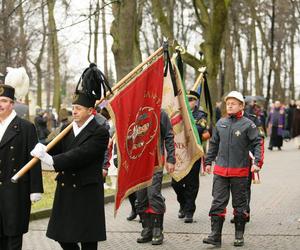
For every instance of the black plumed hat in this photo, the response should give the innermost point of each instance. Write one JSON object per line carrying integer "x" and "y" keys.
{"x": 91, "y": 86}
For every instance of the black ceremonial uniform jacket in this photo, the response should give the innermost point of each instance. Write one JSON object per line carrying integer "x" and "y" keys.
{"x": 200, "y": 120}
{"x": 78, "y": 208}
{"x": 18, "y": 140}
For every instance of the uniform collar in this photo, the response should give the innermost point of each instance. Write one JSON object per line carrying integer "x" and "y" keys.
{"x": 4, "y": 125}
{"x": 77, "y": 129}
{"x": 237, "y": 115}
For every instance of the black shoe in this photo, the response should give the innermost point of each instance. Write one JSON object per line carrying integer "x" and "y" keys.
{"x": 279, "y": 148}
{"x": 238, "y": 242}
{"x": 146, "y": 234}
{"x": 246, "y": 220}
{"x": 270, "y": 148}
{"x": 132, "y": 216}
{"x": 181, "y": 214}
{"x": 188, "y": 219}
{"x": 157, "y": 232}
{"x": 215, "y": 237}
{"x": 239, "y": 222}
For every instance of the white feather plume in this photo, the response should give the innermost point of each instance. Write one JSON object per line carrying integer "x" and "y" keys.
{"x": 18, "y": 78}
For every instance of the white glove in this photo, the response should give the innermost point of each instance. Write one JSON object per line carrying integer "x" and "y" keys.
{"x": 39, "y": 151}
{"x": 34, "y": 197}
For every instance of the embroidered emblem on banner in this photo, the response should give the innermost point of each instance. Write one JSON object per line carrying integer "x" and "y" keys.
{"x": 141, "y": 132}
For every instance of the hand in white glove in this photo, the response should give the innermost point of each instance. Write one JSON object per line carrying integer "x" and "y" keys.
{"x": 39, "y": 151}
{"x": 34, "y": 197}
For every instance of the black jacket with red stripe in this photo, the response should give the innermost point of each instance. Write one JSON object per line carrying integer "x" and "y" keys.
{"x": 230, "y": 144}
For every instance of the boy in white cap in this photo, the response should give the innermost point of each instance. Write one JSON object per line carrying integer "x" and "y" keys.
{"x": 229, "y": 146}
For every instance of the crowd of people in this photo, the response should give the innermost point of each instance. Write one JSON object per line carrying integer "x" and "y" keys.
{"x": 236, "y": 148}
{"x": 280, "y": 122}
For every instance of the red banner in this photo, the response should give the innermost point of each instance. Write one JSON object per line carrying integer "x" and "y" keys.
{"x": 135, "y": 111}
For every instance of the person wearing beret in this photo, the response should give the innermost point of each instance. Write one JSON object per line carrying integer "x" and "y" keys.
{"x": 17, "y": 139}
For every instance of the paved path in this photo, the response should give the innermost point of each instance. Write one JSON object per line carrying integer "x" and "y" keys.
{"x": 274, "y": 225}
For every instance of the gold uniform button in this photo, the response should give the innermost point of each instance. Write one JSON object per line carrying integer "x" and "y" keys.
{"x": 0, "y": 182}
{"x": 74, "y": 185}
{"x": 73, "y": 174}
{"x": 11, "y": 147}
{"x": 12, "y": 159}
{"x": 62, "y": 172}
{"x": 15, "y": 170}
{"x": 0, "y": 172}
{"x": 63, "y": 184}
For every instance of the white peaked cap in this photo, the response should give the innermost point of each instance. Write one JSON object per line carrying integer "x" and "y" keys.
{"x": 18, "y": 79}
{"x": 237, "y": 95}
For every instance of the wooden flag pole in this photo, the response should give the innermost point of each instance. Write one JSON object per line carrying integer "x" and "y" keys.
{"x": 35, "y": 160}
{"x": 199, "y": 78}
{"x": 61, "y": 135}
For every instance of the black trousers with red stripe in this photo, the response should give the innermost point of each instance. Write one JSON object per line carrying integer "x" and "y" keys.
{"x": 222, "y": 187}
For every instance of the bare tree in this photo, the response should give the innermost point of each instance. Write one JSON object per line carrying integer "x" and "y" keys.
{"x": 55, "y": 54}
{"x": 104, "y": 39}
{"x": 125, "y": 31}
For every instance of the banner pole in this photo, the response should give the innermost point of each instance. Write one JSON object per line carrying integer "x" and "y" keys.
{"x": 61, "y": 135}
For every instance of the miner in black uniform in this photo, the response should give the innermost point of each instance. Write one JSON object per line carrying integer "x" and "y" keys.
{"x": 232, "y": 139}
{"x": 150, "y": 204}
{"x": 78, "y": 208}
{"x": 17, "y": 139}
{"x": 187, "y": 188}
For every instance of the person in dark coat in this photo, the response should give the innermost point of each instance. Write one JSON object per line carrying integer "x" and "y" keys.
{"x": 187, "y": 188}
{"x": 78, "y": 207}
{"x": 229, "y": 147}
{"x": 276, "y": 123}
{"x": 295, "y": 127}
{"x": 17, "y": 139}
{"x": 150, "y": 203}
{"x": 290, "y": 115}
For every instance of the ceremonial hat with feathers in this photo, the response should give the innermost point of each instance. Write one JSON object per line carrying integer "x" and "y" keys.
{"x": 91, "y": 86}
{"x": 19, "y": 80}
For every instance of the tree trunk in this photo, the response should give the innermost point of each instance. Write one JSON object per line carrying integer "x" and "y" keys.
{"x": 105, "y": 60}
{"x": 55, "y": 54}
{"x": 125, "y": 32}
{"x": 49, "y": 77}
{"x": 229, "y": 67}
{"x": 292, "y": 65}
{"x": 7, "y": 42}
{"x": 213, "y": 23}
{"x": 90, "y": 33}
{"x": 96, "y": 32}
{"x": 258, "y": 84}
{"x": 37, "y": 64}
{"x": 277, "y": 87}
